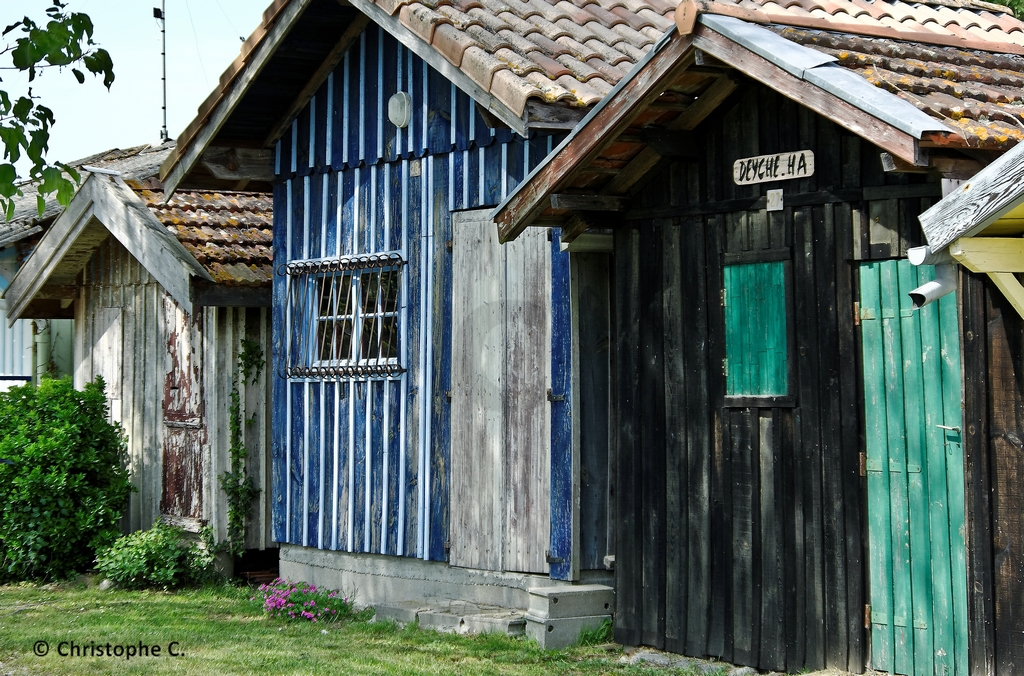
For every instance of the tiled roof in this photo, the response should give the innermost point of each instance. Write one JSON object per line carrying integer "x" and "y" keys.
{"x": 556, "y": 51}
{"x": 979, "y": 94}
{"x": 966, "y": 24}
{"x": 137, "y": 163}
{"x": 229, "y": 233}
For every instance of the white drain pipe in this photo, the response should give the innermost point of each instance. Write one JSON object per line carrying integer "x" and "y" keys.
{"x": 945, "y": 275}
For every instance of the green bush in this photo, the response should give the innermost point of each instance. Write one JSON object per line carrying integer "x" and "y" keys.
{"x": 62, "y": 496}
{"x": 158, "y": 557}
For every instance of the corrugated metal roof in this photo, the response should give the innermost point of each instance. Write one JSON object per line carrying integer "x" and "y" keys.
{"x": 229, "y": 233}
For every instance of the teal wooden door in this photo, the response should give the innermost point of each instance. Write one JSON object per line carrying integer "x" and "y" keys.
{"x": 915, "y": 474}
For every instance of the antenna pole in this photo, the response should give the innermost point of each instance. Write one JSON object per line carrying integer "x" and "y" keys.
{"x": 163, "y": 57}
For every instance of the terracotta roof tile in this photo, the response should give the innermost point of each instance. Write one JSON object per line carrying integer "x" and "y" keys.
{"x": 489, "y": 21}
{"x": 229, "y": 233}
{"x": 609, "y": 54}
{"x": 580, "y": 70}
{"x": 459, "y": 19}
{"x": 577, "y": 50}
{"x": 520, "y": 65}
{"x": 634, "y": 37}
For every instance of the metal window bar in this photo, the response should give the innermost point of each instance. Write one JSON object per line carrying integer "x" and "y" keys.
{"x": 332, "y": 304}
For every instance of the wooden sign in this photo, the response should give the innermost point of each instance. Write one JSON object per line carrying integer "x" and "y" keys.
{"x": 779, "y": 167}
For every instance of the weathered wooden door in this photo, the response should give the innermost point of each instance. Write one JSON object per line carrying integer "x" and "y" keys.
{"x": 915, "y": 474}
{"x": 184, "y": 433}
{"x": 501, "y": 377}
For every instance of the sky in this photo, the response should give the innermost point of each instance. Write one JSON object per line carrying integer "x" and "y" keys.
{"x": 203, "y": 38}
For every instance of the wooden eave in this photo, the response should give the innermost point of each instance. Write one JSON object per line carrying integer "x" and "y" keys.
{"x": 103, "y": 206}
{"x": 676, "y": 87}
{"x": 267, "y": 87}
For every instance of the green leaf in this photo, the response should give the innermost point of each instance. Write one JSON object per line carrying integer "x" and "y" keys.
{"x": 40, "y": 204}
{"x": 78, "y": 75}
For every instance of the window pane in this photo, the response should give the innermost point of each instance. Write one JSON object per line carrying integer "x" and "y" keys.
{"x": 755, "y": 329}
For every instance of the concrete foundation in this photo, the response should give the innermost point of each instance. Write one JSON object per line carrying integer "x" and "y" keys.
{"x": 373, "y": 579}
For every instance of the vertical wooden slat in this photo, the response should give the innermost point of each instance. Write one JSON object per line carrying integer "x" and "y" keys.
{"x": 628, "y": 577}
{"x": 897, "y": 468}
{"x": 809, "y": 444}
{"x": 876, "y": 442}
{"x": 981, "y": 613}
{"x": 652, "y": 434}
{"x": 699, "y": 435}
{"x": 676, "y": 476}
{"x": 478, "y": 384}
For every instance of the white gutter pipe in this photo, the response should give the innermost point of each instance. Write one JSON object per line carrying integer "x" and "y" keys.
{"x": 945, "y": 275}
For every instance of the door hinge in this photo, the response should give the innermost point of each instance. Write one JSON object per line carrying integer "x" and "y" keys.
{"x": 863, "y": 464}
{"x": 856, "y": 313}
{"x": 552, "y": 559}
{"x": 555, "y": 397}
{"x": 867, "y": 615}
{"x": 725, "y": 367}
{"x": 722, "y": 297}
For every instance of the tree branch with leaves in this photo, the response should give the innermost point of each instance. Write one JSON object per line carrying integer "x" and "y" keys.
{"x": 63, "y": 41}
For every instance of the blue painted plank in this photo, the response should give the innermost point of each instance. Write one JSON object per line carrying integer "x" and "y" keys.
{"x": 282, "y": 161}
{"x": 441, "y": 356}
{"x": 395, "y": 205}
{"x": 329, "y": 486}
{"x": 314, "y": 202}
{"x": 347, "y": 188}
{"x": 561, "y": 412}
{"x": 331, "y": 212}
{"x": 492, "y": 175}
{"x": 471, "y": 167}
{"x": 298, "y": 209}
{"x": 359, "y": 462}
{"x": 395, "y": 493}
{"x": 279, "y": 414}
{"x": 462, "y": 121}
{"x": 320, "y": 135}
{"x": 296, "y": 471}
{"x": 459, "y": 184}
{"x": 301, "y": 149}
{"x": 312, "y": 511}
{"x": 376, "y": 464}
{"x": 388, "y": 87}
{"x": 345, "y": 467}
{"x": 514, "y": 165}
{"x": 439, "y": 132}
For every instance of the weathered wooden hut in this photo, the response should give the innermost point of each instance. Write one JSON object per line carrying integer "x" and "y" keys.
{"x": 790, "y": 434}
{"x": 423, "y": 407}
{"x": 162, "y": 295}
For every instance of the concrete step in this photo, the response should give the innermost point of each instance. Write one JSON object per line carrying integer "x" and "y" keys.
{"x": 570, "y": 601}
{"x": 555, "y": 634}
{"x": 455, "y": 617}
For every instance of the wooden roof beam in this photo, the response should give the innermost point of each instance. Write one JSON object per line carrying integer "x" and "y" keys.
{"x": 989, "y": 254}
{"x": 613, "y": 117}
{"x": 946, "y": 165}
{"x": 589, "y": 202}
{"x": 239, "y": 164}
{"x": 650, "y": 156}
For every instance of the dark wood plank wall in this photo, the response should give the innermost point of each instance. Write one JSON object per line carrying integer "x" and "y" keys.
{"x": 740, "y": 524}
{"x": 993, "y": 340}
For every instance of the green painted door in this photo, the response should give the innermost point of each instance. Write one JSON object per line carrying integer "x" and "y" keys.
{"x": 915, "y": 474}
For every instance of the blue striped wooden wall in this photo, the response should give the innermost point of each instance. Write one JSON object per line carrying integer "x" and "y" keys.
{"x": 348, "y": 470}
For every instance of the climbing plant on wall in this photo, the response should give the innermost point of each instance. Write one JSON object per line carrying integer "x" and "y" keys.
{"x": 236, "y": 482}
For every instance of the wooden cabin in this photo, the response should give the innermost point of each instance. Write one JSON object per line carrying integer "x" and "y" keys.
{"x": 425, "y": 441}
{"x": 803, "y": 461}
{"x": 162, "y": 295}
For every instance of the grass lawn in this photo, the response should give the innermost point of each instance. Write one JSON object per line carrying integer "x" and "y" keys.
{"x": 218, "y": 630}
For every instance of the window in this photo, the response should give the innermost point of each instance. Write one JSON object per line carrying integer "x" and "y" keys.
{"x": 344, "y": 317}
{"x": 756, "y": 355}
